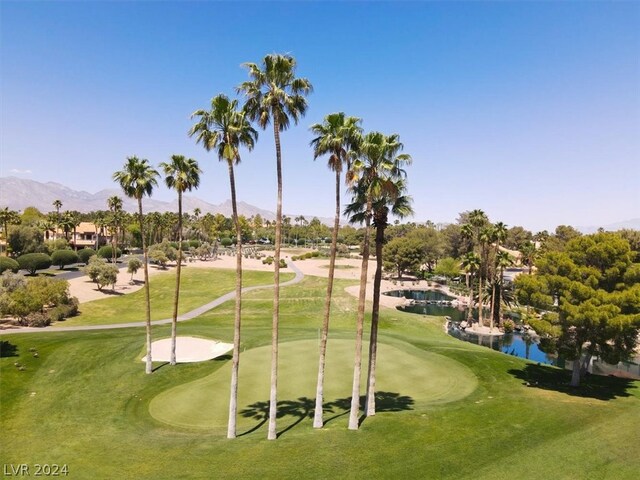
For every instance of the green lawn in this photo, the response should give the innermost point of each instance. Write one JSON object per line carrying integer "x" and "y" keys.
{"x": 456, "y": 410}
{"x": 198, "y": 286}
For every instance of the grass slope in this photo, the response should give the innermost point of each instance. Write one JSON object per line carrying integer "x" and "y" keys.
{"x": 85, "y": 401}
{"x": 197, "y": 287}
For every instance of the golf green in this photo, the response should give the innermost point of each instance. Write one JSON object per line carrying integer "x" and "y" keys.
{"x": 406, "y": 378}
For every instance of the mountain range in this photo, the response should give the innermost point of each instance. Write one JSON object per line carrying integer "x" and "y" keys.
{"x": 18, "y": 194}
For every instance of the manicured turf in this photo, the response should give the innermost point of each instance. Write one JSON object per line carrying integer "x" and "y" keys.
{"x": 85, "y": 401}
{"x": 405, "y": 380}
{"x": 197, "y": 287}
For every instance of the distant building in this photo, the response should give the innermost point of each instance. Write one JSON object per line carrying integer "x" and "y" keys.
{"x": 85, "y": 235}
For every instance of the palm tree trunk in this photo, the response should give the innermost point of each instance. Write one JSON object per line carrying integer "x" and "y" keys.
{"x": 370, "y": 404}
{"x": 480, "y": 321}
{"x": 176, "y": 298}
{"x": 493, "y": 303}
{"x": 357, "y": 364}
{"x": 470, "y": 285}
{"x": 147, "y": 295}
{"x": 235, "y": 367}
{"x": 272, "y": 435}
{"x": 317, "y": 417}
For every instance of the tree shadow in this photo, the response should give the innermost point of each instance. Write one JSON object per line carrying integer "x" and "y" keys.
{"x": 155, "y": 369}
{"x": 303, "y": 407}
{"x": 110, "y": 292}
{"x": 8, "y": 349}
{"x": 223, "y": 358}
{"x": 593, "y": 386}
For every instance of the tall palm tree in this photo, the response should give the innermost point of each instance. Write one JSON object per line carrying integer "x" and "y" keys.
{"x": 503, "y": 260}
{"x": 274, "y": 94}
{"x": 57, "y": 204}
{"x": 485, "y": 237}
{"x": 115, "y": 207}
{"x": 225, "y": 129}
{"x": 380, "y": 186}
{"x": 499, "y": 235}
{"x": 476, "y": 231}
{"x": 137, "y": 179}
{"x": 181, "y": 174}
{"x": 336, "y": 137}
{"x": 99, "y": 220}
{"x": 470, "y": 264}
{"x": 529, "y": 253}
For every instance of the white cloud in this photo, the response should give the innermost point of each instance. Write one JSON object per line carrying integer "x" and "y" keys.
{"x": 18, "y": 171}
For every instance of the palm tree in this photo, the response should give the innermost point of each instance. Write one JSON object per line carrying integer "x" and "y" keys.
{"x": 181, "y": 174}
{"x": 379, "y": 176}
{"x": 137, "y": 179}
{"x": 8, "y": 217}
{"x": 115, "y": 206}
{"x": 498, "y": 236}
{"x": 529, "y": 254}
{"x": 99, "y": 221}
{"x": 225, "y": 129}
{"x": 57, "y": 204}
{"x": 471, "y": 264}
{"x": 503, "y": 260}
{"x": 475, "y": 230}
{"x": 337, "y": 136}
{"x": 275, "y": 94}
{"x": 485, "y": 237}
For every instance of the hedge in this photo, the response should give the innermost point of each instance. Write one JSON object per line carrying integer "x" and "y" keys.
{"x": 61, "y": 258}
{"x": 7, "y": 263}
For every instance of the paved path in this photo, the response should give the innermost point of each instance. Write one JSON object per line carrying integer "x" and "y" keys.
{"x": 186, "y": 316}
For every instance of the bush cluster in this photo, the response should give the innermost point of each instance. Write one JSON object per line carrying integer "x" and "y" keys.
{"x": 305, "y": 256}
{"x": 269, "y": 261}
{"x": 35, "y": 302}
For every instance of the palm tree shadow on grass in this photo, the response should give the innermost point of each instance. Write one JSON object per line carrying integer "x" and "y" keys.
{"x": 594, "y": 386}
{"x": 303, "y": 408}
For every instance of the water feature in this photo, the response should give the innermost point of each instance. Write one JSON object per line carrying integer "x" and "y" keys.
{"x": 430, "y": 302}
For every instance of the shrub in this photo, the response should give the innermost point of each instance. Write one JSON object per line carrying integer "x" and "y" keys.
{"x": 57, "y": 244}
{"x": 158, "y": 257}
{"x": 62, "y": 258}
{"x": 194, "y": 243}
{"x": 508, "y": 326}
{"x": 107, "y": 252}
{"x": 9, "y": 264}
{"x": 36, "y": 319}
{"x": 226, "y": 242}
{"x": 133, "y": 266}
{"x": 267, "y": 261}
{"x": 85, "y": 254}
{"x": 101, "y": 273}
{"x": 33, "y": 262}
{"x": 283, "y": 264}
{"x": 64, "y": 310}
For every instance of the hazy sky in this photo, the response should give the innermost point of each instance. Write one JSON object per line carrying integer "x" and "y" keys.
{"x": 527, "y": 110}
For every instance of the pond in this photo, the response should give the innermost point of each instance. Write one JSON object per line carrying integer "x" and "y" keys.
{"x": 429, "y": 302}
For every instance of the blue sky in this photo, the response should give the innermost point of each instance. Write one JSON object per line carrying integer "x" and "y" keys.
{"x": 528, "y": 110}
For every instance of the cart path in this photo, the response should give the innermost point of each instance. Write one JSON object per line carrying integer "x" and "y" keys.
{"x": 181, "y": 318}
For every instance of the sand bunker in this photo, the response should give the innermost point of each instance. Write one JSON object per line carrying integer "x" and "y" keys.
{"x": 188, "y": 349}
